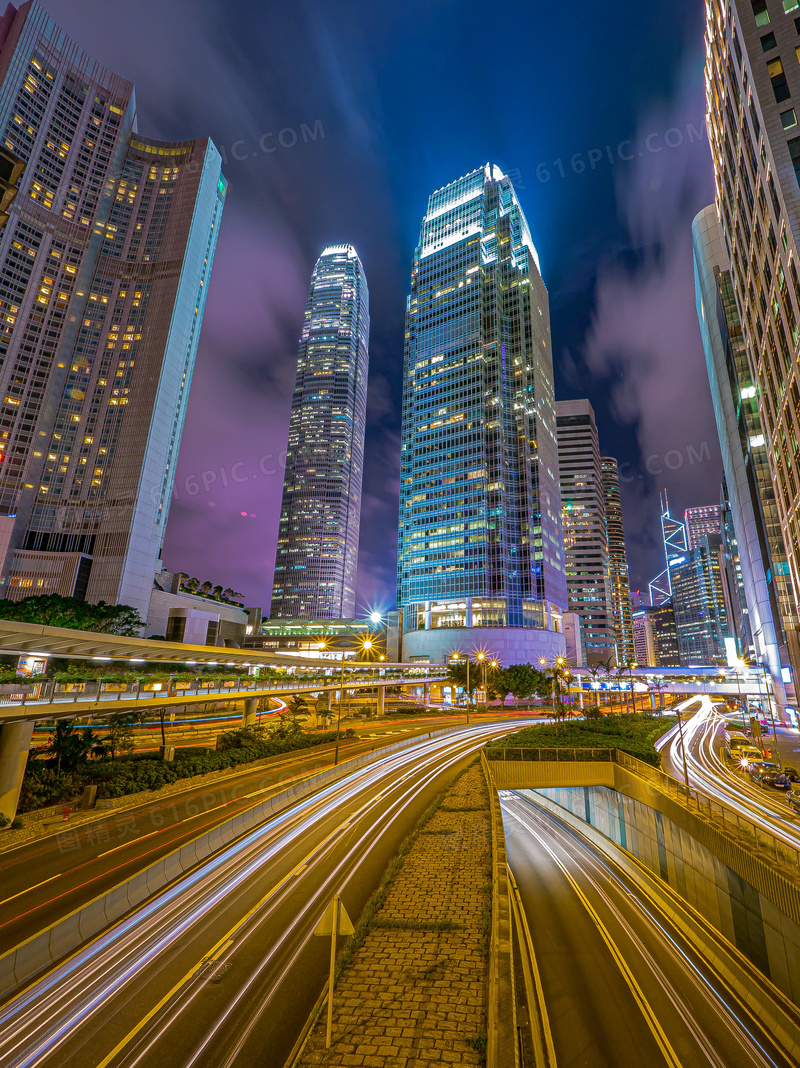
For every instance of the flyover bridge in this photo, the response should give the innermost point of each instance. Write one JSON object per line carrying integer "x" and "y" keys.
{"x": 19, "y": 712}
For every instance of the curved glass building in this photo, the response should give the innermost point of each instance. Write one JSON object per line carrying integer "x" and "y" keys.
{"x": 317, "y": 557}
{"x": 481, "y": 555}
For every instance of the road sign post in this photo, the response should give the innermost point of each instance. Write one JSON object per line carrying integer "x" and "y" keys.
{"x": 335, "y": 921}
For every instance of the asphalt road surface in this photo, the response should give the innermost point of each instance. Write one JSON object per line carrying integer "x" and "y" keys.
{"x": 48, "y": 878}
{"x": 222, "y": 967}
{"x": 622, "y": 988}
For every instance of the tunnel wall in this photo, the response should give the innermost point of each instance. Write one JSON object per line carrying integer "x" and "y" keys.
{"x": 763, "y": 933}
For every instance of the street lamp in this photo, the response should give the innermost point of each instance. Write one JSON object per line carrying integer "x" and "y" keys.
{"x": 631, "y": 665}
{"x": 456, "y": 659}
{"x": 763, "y": 667}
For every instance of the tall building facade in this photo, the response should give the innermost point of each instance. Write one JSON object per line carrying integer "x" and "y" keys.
{"x": 617, "y": 561}
{"x": 673, "y": 537}
{"x": 104, "y": 269}
{"x": 705, "y": 519}
{"x": 655, "y": 636}
{"x": 583, "y": 518}
{"x": 753, "y": 97}
{"x": 772, "y": 617}
{"x": 699, "y": 603}
{"x": 317, "y": 557}
{"x": 480, "y": 556}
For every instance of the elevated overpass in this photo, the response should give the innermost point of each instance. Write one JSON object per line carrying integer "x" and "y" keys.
{"x": 19, "y": 712}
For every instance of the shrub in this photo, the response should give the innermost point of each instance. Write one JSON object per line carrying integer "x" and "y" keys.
{"x": 635, "y": 735}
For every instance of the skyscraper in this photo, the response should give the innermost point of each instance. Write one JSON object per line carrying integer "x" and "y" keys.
{"x": 481, "y": 556}
{"x": 705, "y": 519}
{"x": 315, "y": 568}
{"x": 583, "y": 518}
{"x": 753, "y": 93}
{"x": 698, "y": 600}
{"x": 104, "y": 269}
{"x": 673, "y": 536}
{"x": 771, "y": 610}
{"x": 617, "y": 561}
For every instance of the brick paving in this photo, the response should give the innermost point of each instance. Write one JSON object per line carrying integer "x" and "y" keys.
{"x": 412, "y": 997}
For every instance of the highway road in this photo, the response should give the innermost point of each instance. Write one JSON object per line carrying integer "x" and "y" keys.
{"x": 223, "y": 967}
{"x": 622, "y": 988}
{"x": 48, "y": 878}
{"x": 708, "y": 772}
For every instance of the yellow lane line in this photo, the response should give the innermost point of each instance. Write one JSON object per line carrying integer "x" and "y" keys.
{"x": 217, "y": 950}
{"x": 650, "y": 1017}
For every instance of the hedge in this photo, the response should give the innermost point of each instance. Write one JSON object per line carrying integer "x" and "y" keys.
{"x": 115, "y": 778}
{"x": 632, "y": 734}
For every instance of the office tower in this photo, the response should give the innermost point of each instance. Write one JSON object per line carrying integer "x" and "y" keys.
{"x": 771, "y": 608}
{"x": 643, "y": 638}
{"x": 706, "y": 519}
{"x": 11, "y": 169}
{"x": 315, "y": 567}
{"x": 617, "y": 561}
{"x": 480, "y": 555}
{"x": 639, "y": 598}
{"x": 733, "y": 579}
{"x": 583, "y": 518}
{"x": 673, "y": 537}
{"x": 698, "y": 601}
{"x": 104, "y": 269}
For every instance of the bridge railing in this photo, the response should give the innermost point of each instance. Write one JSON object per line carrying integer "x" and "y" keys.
{"x": 50, "y": 692}
{"x": 748, "y": 834}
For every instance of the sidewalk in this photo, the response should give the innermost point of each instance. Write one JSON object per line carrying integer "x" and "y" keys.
{"x": 415, "y": 990}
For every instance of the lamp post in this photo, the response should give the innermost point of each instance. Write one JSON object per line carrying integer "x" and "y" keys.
{"x": 456, "y": 659}
{"x": 683, "y": 752}
{"x": 771, "y": 714}
{"x": 339, "y": 711}
{"x": 481, "y": 658}
{"x": 631, "y": 665}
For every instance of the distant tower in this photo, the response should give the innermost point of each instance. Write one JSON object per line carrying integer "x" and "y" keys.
{"x": 673, "y": 534}
{"x": 480, "y": 553}
{"x": 617, "y": 561}
{"x": 706, "y": 519}
{"x": 315, "y": 568}
{"x": 583, "y": 517}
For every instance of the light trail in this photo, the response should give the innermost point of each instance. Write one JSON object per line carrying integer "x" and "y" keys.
{"x": 57, "y": 1008}
{"x": 620, "y": 897}
{"x": 708, "y": 773}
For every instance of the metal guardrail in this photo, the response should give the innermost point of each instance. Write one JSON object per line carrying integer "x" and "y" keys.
{"x": 50, "y": 693}
{"x": 747, "y": 834}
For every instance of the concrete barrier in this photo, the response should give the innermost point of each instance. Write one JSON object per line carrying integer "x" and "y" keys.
{"x": 41, "y": 951}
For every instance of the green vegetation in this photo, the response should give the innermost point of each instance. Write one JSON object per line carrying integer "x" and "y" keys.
{"x": 52, "y": 610}
{"x": 634, "y": 734}
{"x": 50, "y": 781}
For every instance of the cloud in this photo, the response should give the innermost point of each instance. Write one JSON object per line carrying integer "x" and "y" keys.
{"x": 644, "y": 339}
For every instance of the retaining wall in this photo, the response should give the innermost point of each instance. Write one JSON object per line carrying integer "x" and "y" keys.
{"x": 768, "y": 937}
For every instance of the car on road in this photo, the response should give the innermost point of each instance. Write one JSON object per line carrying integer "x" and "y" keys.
{"x": 734, "y": 741}
{"x": 749, "y": 755}
{"x": 762, "y": 774}
{"x": 793, "y": 798}
{"x": 783, "y": 779}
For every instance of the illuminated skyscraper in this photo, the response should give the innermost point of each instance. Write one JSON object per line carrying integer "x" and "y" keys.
{"x": 673, "y": 535}
{"x": 753, "y": 103}
{"x": 698, "y": 600}
{"x": 104, "y": 269}
{"x": 705, "y": 519}
{"x": 315, "y": 568}
{"x": 481, "y": 555}
{"x": 617, "y": 561}
{"x": 583, "y": 518}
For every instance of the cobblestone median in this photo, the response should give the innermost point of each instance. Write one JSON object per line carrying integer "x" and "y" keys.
{"x": 415, "y": 991}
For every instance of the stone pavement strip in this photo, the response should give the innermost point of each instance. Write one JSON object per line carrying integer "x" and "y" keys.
{"x": 415, "y": 991}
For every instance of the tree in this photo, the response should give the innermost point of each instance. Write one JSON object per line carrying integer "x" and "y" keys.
{"x": 53, "y": 610}
{"x": 230, "y": 594}
{"x": 70, "y": 746}
{"x": 521, "y": 681}
{"x": 119, "y": 738}
{"x": 217, "y": 591}
{"x": 205, "y": 588}
{"x": 595, "y": 672}
{"x": 191, "y": 584}
{"x": 457, "y": 674}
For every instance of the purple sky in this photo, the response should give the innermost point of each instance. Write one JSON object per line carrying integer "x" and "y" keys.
{"x": 406, "y": 104}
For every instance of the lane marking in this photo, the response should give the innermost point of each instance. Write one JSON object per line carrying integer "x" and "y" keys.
{"x": 650, "y": 1017}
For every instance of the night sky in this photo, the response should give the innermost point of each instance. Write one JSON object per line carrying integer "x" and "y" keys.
{"x": 396, "y": 101}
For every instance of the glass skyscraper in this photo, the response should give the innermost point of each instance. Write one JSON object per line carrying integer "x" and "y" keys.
{"x": 317, "y": 557}
{"x": 104, "y": 269}
{"x": 480, "y": 542}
